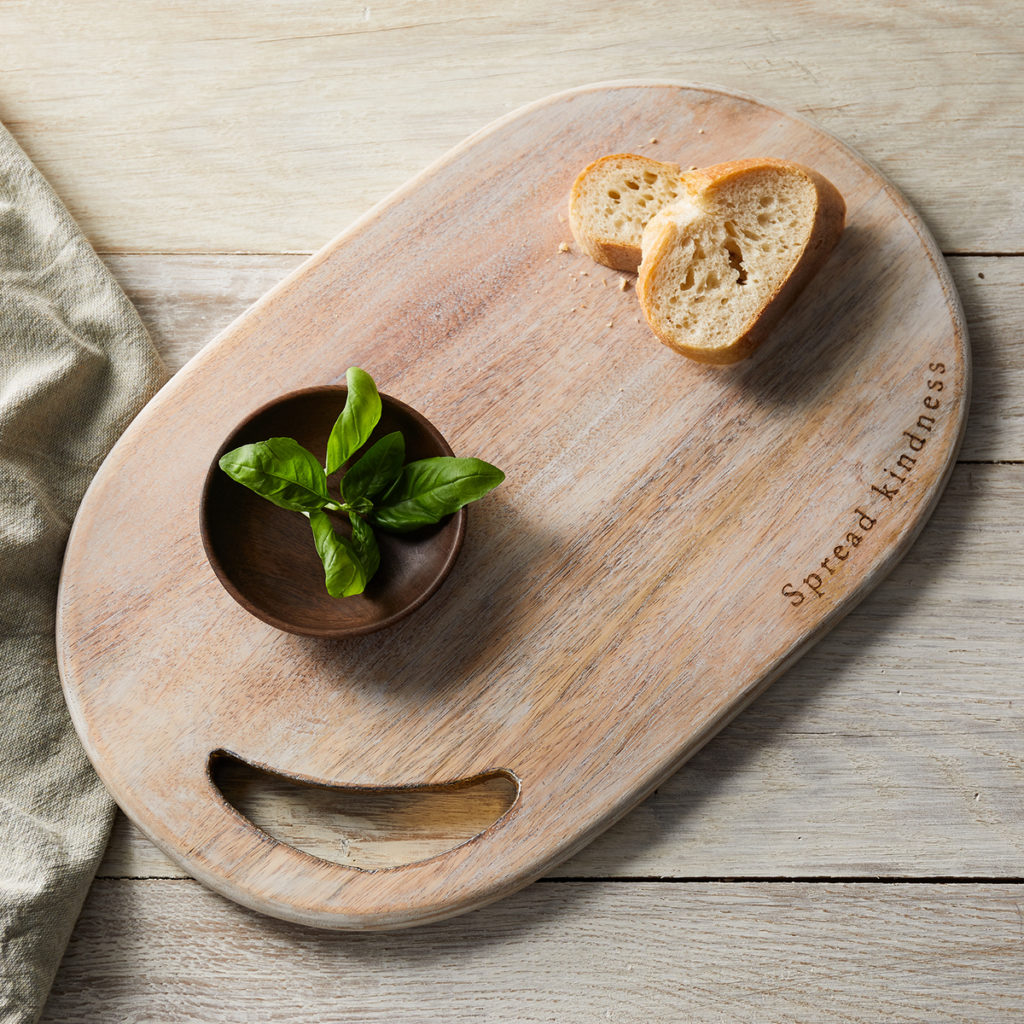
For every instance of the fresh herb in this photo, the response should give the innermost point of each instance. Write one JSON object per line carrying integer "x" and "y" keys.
{"x": 378, "y": 489}
{"x": 280, "y": 470}
{"x": 357, "y": 419}
{"x": 429, "y": 489}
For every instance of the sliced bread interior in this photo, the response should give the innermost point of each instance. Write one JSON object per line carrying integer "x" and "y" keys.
{"x": 722, "y": 263}
{"x": 613, "y": 199}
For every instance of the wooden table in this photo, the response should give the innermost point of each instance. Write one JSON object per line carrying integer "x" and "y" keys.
{"x": 850, "y": 848}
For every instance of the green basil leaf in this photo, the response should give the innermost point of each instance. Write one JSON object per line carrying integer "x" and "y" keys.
{"x": 355, "y": 424}
{"x": 375, "y": 471}
{"x": 344, "y": 574}
{"x": 430, "y": 489}
{"x": 365, "y": 544}
{"x": 280, "y": 470}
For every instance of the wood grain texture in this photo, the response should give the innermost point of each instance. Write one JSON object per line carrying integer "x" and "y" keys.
{"x": 186, "y": 300}
{"x": 587, "y": 694}
{"x": 172, "y": 952}
{"x": 894, "y": 748}
{"x": 173, "y": 127}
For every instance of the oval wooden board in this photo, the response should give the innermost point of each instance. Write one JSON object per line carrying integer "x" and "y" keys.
{"x": 669, "y": 539}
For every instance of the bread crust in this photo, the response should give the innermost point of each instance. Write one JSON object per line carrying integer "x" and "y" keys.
{"x": 611, "y": 253}
{"x": 601, "y": 247}
{"x": 828, "y": 223}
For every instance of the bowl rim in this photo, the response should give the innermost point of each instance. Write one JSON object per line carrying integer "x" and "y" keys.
{"x": 326, "y": 632}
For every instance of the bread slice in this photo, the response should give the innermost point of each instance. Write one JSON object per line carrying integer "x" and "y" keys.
{"x": 613, "y": 199}
{"x": 722, "y": 264}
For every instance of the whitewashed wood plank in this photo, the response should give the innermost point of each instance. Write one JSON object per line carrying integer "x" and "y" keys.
{"x": 186, "y": 300}
{"x": 992, "y": 292}
{"x": 170, "y": 951}
{"x": 269, "y": 127}
{"x": 895, "y": 747}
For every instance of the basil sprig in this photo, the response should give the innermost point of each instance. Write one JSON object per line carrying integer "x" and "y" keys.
{"x": 344, "y": 572}
{"x": 377, "y": 470}
{"x": 429, "y": 489}
{"x": 357, "y": 420}
{"x": 376, "y": 490}
{"x": 280, "y": 470}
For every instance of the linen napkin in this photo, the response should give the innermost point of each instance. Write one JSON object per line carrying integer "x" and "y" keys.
{"x": 76, "y": 365}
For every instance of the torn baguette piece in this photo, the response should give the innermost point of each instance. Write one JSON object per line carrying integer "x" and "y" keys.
{"x": 613, "y": 199}
{"x": 723, "y": 263}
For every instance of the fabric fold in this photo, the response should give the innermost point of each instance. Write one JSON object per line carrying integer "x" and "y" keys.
{"x": 76, "y": 365}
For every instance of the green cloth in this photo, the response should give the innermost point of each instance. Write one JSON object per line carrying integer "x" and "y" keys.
{"x": 76, "y": 365}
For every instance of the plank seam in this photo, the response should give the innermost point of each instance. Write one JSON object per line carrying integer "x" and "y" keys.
{"x": 791, "y": 879}
{"x": 701, "y": 879}
{"x": 990, "y": 462}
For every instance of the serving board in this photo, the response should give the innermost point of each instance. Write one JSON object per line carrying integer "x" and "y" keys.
{"x": 670, "y": 536}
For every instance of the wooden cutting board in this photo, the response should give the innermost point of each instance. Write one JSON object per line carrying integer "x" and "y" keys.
{"x": 670, "y": 536}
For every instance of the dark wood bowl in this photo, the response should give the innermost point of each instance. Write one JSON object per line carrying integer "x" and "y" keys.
{"x": 265, "y": 556}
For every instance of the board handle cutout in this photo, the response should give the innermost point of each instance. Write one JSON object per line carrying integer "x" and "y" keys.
{"x": 279, "y": 879}
{"x": 360, "y": 827}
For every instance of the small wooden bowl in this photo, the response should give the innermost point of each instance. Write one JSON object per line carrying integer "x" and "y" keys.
{"x": 265, "y": 556}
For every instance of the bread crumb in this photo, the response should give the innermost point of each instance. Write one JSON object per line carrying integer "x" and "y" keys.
{"x": 610, "y": 324}
{"x": 654, "y": 142}
{"x": 584, "y": 273}
{"x": 700, "y": 131}
{"x": 564, "y": 247}
{"x": 693, "y": 167}
{"x": 623, "y": 283}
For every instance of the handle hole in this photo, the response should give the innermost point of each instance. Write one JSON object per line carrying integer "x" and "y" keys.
{"x": 371, "y": 829}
